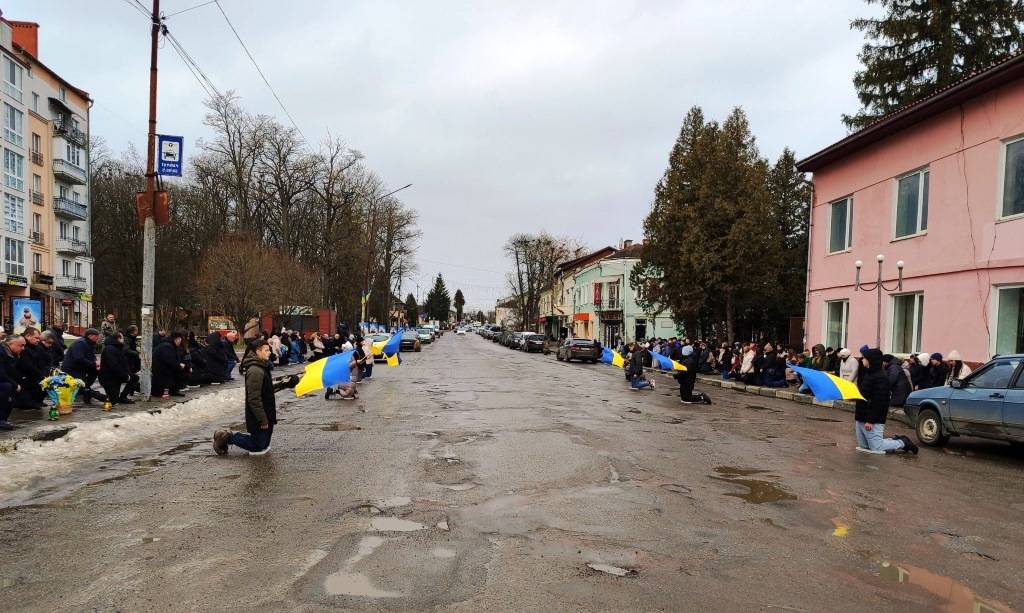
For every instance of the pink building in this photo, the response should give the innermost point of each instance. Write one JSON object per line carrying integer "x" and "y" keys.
{"x": 938, "y": 185}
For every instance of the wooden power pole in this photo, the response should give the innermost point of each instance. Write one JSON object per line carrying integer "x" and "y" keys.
{"x": 148, "y": 209}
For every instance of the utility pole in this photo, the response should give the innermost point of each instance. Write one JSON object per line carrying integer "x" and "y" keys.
{"x": 149, "y": 228}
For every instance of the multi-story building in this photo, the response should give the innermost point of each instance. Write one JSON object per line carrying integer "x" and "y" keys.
{"x": 605, "y": 306}
{"x": 939, "y": 187}
{"x": 556, "y": 314}
{"x": 45, "y": 231}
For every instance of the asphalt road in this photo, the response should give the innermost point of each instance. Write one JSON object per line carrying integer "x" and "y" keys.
{"x": 476, "y": 478}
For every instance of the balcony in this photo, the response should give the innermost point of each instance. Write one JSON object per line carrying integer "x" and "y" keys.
{"x": 66, "y": 171}
{"x": 70, "y": 208}
{"x": 608, "y": 304}
{"x": 72, "y": 246}
{"x": 36, "y": 238}
{"x": 69, "y": 132}
{"x": 36, "y": 197}
{"x": 37, "y": 158}
{"x": 73, "y": 284}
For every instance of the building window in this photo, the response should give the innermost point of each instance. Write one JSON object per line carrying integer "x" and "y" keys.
{"x": 65, "y": 268}
{"x": 14, "y": 170}
{"x": 1013, "y": 179}
{"x": 37, "y": 184}
{"x": 837, "y": 315}
{"x": 78, "y": 270}
{"x": 911, "y": 204}
{"x": 35, "y": 102}
{"x": 1010, "y": 320}
{"x": 14, "y": 214}
{"x": 63, "y": 95}
{"x": 14, "y": 125}
{"x": 62, "y": 230}
{"x": 613, "y": 295}
{"x": 74, "y": 232}
{"x": 907, "y": 315}
{"x": 37, "y": 262}
{"x": 14, "y": 257}
{"x": 74, "y": 154}
{"x": 12, "y": 78}
{"x": 37, "y": 223}
{"x": 840, "y": 234}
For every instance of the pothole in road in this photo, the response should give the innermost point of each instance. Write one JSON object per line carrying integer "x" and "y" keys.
{"x": 758, "y": 492}
{"x": 340, "y": 427}
{"x": 611, "y": 570}
{"x": 395, "y": 524}
{"x": 675, "y": 488}
{"x": 734, "y": 471}
{"x": 826, "y": 419}
{"x": 458, "y": 487}
{"x": 346, "y": 582}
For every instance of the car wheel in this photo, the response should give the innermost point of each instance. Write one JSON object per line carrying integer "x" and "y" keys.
{"x": 929, "y": 429}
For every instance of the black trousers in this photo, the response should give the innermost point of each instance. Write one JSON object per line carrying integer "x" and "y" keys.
{"x": 6, "y": 391}
{"x": 118, "y": 391}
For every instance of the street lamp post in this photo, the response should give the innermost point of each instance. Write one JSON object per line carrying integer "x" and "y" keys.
{"x": 877, "y": 287}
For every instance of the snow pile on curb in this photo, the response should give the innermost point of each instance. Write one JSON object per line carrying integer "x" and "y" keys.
{"x": 34, "y": 461}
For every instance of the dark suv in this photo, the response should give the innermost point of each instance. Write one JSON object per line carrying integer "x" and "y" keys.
{"x": 583, "y": 349}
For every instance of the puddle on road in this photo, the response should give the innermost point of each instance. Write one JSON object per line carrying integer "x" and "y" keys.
{"x": 758, "y": 491}
{"x": 149, "y": 462}
{"x": 757, "y": 407}
{"x": 611, "y": 570}
{"x": 394, "y": 524}
{"x": 957, "y": 596}
{"x": 734, "y": 471}
{"x": 395, "y": 501}
{"x": 340, "y": 427}
{"x": 346, "y": 582}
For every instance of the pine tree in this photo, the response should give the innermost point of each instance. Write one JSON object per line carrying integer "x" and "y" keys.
{"x": 412, "y": 311}
{"x": 438, "y": 303}
{"x": 460, "y": 301}
{"x": 921, "y": 46}
{"x": 481, "y": 317}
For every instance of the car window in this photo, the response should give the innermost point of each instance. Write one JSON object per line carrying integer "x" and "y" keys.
{"x": 995, "y": 375}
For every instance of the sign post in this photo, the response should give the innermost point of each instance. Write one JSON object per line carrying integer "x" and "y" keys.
{"x": 170, "y": 148}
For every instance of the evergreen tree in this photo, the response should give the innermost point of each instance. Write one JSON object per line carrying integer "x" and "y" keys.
{"x": 460, "y": 301}
{"x": 921, "y": 46}
{"x": 481, "y": 317}
{"x": 412, "y": 311}
{"x": 438, "y": 302}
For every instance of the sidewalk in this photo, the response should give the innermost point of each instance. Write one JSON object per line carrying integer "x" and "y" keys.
{"x": 33, "y": 425}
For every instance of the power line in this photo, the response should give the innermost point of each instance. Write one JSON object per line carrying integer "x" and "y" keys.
{"x": 189, "y": 9}
{"x": 192, "y": 65}
{"x": 138, "y": 7}
{"x": 259, "y": 70}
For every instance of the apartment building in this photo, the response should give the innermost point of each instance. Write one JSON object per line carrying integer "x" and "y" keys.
{"x": 45, "y": 231}
{"x": 939, "y": 187}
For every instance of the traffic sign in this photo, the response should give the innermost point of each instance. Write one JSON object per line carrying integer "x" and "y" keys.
{"x": 169, "y": 151}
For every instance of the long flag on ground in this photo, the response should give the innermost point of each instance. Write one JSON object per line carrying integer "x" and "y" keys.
{"x": 330, "y": 371}
{"x": 391, "y": 349}
{"x": 660, "y": 361}
{"x": 612, "y": 357}
{"x": 826, "y": 386}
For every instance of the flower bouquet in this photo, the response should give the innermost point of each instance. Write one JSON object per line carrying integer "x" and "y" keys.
{"x": 62, "y": 389}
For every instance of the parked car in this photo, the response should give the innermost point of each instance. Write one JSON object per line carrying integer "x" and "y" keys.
{"x": 425, "y": 335}
{"x": 514, "y": 340}
{"x": 410, "y": 341}
{"x": 532, "y": 342}
{"x": 989, "y": 403}
{"x": 504, "y": 336}
{"x": 460, "y": 332}
{"x": 579, "y": 349}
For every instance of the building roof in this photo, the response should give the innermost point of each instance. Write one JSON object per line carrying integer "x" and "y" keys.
{"x": 633, "y": 251}
{"x": 81, "y": 92}
{"x": 971, "y": 85}
{"x": 584, "y": 259}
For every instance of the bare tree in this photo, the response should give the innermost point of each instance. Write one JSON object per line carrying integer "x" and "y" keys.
{"x": 534, "y": 261}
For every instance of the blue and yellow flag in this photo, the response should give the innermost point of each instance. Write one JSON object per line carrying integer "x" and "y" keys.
{"x": 332, "y": 370}
{"x": 391, "y": 349}
{"x": 612, "y": 357}
{"x": 826, "y": 386}
{"x": 663, "y": 363}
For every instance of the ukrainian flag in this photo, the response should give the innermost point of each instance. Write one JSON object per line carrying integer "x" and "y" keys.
{"x": 826, "y": 386}
{"x": 391, "y": 349}
{"x": 660, "y": 361}
{"x": 333, "y": 370}
{"x": 612, "y": 357}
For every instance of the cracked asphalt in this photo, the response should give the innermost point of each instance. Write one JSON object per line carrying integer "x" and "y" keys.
{"x": 477, "y": 478}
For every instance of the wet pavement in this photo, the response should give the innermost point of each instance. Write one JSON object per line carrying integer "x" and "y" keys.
{"x": 474, "y": 477}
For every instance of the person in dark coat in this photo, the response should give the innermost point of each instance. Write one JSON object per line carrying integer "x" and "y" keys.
{"x": 230, "y": 357}
{"x": 131, "y": 349}
{"x": 10, "y": 349}
{"x": 687, "y": 378}
{"x": 872, "y": 412}
{"x": 635, "y": 367}
{"x": 773, "y": 373}
{"x": 215, "y": 358}
{"x": 57, "y": 329}
{"x": 899, "y": 380}
{"x": 80, "y": 363}
{"x": 168, "y": 368}
{"x": 49, "y": 342}
{"x": 260, "y": 404}
{"x": 33, "y": 366}
{"x": 938, "y": 371}
{"x": 115, "y": 372}
{"x": 918, "y": 372}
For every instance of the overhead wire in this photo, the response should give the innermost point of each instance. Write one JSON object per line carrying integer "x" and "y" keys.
{"x": 260, "y": 71}
{"x": 189, "y": 9}
{"x": 138, "y": 7}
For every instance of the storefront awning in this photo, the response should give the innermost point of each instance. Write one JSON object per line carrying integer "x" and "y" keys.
{"x": 59, "y": 295}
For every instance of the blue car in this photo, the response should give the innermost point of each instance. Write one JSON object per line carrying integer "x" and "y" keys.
{"x": 989, "y": 403}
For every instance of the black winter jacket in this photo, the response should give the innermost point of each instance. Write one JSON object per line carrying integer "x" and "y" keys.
{"x": 874, "y": 386}
{"x": 899, "y": 384}
{"x": 114, "y": 366}
{"x": 937, "y": 375}
{"x": 165, "y": 359}
{"x": 8, "y": 367}
{"x": 80, "y": 359}
{"x": 260, "y": 404}
{"x": 34, "y": 364}
{"x": 58, "y": 346}
{"x": 216, "y": 359}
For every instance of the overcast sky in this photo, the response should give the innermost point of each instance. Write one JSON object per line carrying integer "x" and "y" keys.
{"x": 505, "y": 116}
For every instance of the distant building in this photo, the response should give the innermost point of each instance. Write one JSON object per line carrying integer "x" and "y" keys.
{"x": 556, "y": 313}
{"x": 504, "y": 313}
{"x": 939, "y": 185}
{"x": 45, "y": 231}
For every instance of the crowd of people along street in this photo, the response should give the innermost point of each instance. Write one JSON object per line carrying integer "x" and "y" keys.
{"x": 107, "y": 361}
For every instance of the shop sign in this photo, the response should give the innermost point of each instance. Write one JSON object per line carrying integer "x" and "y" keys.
{"x": 85, "y": 297}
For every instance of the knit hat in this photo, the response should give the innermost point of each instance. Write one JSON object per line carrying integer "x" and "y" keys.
{"x": 888, "y": 358}
{"x": 845, "y": 353}
{"x": 863, "y": 349}
{"x": 954, "y": 356}
{"x": 922, "y": 359}
{"x": 937, "y": 356}
{"x": 687, "y": 350}
{"x": 91, "y": 332}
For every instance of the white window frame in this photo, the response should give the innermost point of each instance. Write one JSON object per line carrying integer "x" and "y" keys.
{"x": 35, "y": 102}
{"x": 14, "y": 134}
{"x": 916, "y": 342}
{"x": 14, "y": 90}
{"x": 844, "y": 328}
{"x": 15, "y": 222}
{"x": 37, "y": 262}
{"x": 921, "y": 202}
{"x": 14, "y": 266}
{"x": 16, "y": 180}
{"x": 65, "y": 268}
{"x": 1001, "y": 181}
{"x": 994, "y": 314}
{"x": 849, "y": 226}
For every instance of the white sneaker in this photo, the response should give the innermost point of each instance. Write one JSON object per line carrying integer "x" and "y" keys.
{"x": 348, "y": 398}
{"x": 214, "y": 382}
{"x": 264, "y": 452}
{"x": 871, "y": 451}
